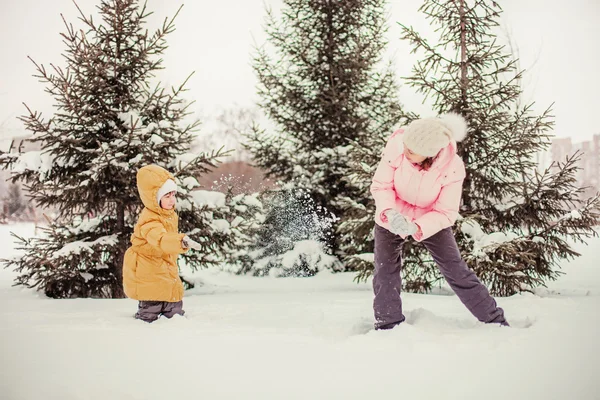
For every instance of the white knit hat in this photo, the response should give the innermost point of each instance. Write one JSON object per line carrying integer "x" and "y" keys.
{"x": 427, "y": 136}
{"x": 167, "y": 187}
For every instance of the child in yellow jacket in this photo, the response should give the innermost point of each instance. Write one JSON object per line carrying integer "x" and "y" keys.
{"x": 150, "y": 272}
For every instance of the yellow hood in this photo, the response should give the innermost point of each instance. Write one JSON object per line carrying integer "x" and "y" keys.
{"x": 149, "y": 179}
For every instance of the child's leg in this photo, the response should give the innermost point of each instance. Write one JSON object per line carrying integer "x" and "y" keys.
{"x": 469, "y": 289}
{"x": 387, "y": 282}
{"x": 149, "y": 310}
{"x": 170, "y": 309}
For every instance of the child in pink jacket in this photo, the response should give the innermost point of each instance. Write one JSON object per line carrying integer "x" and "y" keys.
{"x": 417, "y": 190}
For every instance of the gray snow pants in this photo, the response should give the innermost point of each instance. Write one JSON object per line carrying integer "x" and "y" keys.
{"x": 149, "y": 311}
{"x": 387, "y": 281}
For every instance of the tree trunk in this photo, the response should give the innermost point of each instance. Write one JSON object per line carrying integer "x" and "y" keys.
{"x": 118, "y": 292}
{"x": 463, "y": 55}
{"x": 464, "y": 84}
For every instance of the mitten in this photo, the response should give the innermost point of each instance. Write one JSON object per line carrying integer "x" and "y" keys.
{"x": 187, "y": 243}
{"x": 399, "y": 225}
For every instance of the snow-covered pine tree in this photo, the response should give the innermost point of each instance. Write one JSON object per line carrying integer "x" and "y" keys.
{"x": 288, "y": 237}
{"x": 324, "y": 88}
{"x": 110, "y": 120}
{"x": 515, "y": 220}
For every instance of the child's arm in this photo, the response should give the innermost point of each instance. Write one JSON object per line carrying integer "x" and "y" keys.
{"x": 155, "y": 233}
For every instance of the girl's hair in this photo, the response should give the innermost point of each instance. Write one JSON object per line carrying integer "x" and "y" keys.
{"x": 427, "y": 163}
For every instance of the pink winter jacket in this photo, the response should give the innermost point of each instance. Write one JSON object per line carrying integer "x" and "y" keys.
{"x": 429, "y": 198}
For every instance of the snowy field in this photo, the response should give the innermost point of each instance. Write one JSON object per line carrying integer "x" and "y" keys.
{"x": 267, "y": 338}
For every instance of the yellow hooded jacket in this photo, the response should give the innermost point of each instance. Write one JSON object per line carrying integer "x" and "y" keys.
{"x": 150, "y": 265}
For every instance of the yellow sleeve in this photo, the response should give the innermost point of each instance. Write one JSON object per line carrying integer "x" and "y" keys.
{"x": 156, "y": 235}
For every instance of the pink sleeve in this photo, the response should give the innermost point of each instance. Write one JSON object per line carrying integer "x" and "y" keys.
{"x": 445, "y": 210}
{"x": 382, "y": 186}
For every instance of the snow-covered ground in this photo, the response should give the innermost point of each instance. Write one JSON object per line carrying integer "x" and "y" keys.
{"x": 267, "y": 338}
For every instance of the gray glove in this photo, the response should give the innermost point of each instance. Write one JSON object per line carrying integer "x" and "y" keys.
{"x": 188, "y": 243}
{"x": 399, "y": 225}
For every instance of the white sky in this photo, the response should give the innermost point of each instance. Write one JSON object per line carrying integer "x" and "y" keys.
{"x": 559, "y": 45}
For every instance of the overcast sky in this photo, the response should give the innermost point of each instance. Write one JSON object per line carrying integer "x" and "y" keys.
{"x": 559, "y": 45}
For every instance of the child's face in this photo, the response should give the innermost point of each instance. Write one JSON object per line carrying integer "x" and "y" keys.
{"x": 413, "y": 157}
{"x": 168, "y": 201}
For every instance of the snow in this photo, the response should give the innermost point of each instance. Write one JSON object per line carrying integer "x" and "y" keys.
{"x": 157, "y": 140}
{"x": 189, "y": 182}
{"x": 370, "y": 257}
{"x": 82, "y": 225}
{"x": 221, "y": 225}
{"x": 575, "y": 214}
{"x": 39, "y": 160}
{"x": 250, "y": 200}
{"x": 152, "y": 126}
{"x": 136, "y": 159}
{"x": 236, "y": 221}
{"x": 209, "y": 198}
{"x": 87, "y": 276}
{"x": 471, "y": 228}
{"x": 80, "y": 246}
{"x": 480, "y": 239}
{"x": 200, "y": 198}
{"x": 312, "y": 251}
{"x": 184, "y": 159}
{"x": 300, "y": 338}
{"x": 130, "y": 119}
{"x": 496, "y": 238}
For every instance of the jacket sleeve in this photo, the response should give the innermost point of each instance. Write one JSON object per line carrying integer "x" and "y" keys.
{"x": 445, "y": 209}
{"x": 156, "y": 235}
{"x": 382, "y": 185}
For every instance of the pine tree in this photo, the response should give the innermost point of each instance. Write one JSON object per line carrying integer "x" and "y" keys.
{"x": 322, "y": 85}
{"x": 288, "y": 238}
{"x": 110, "y": 120}
{"x": 515, "y": 220}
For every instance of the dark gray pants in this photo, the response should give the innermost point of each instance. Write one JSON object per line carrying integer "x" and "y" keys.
{"x": 387, "y": 281}
{"x": 149, "y": 311}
